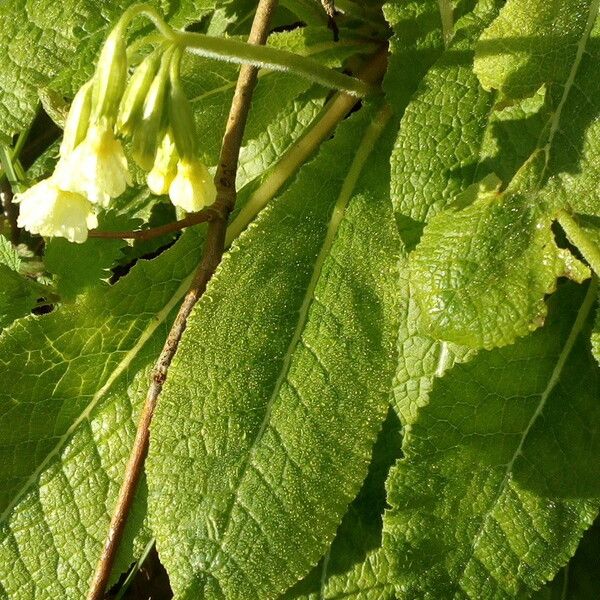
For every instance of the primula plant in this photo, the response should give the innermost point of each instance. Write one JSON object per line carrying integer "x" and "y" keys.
{"x": 298, "y": 300}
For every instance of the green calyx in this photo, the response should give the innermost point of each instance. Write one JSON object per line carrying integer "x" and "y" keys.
{"x": 130, "y": 111}
{"x": 147, "y": 133}
{"x": 111, "y": 76}
{"x": 181, "y": 117}
{"x": 78, "y": 119}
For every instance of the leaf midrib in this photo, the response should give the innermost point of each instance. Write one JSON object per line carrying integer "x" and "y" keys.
{"x": 581, "y": 45}
{"x": 363, "y": 151}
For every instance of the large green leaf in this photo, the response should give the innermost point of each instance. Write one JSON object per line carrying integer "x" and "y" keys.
{"x": 558, "y": 44}
{"x": 72, "y": 382}
{"x": 354, "y": 565}
{"x": 500, "y": 477}
{"x": 438, "y": 153}
{"x": 530, "y": 43}
{"x": 272, "y": 404}
{"x": 480, "y": 274}
{"x": 438, "y": 150}
{"x": 573, "y": 167}
{"x": 417, "y": 43}
{"x": 457, "y": 304}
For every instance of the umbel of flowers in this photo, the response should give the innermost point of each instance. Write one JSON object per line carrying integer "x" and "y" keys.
{"x": 151, "y": 111}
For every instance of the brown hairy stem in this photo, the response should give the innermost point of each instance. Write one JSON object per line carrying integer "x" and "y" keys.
{"x": 212, "y": 254}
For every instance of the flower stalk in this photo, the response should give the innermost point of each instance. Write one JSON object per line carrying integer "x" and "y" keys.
{"x": 237, "y": 51}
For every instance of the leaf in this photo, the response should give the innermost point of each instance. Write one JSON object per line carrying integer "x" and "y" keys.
{"x": 42, "y": 39}
{"x": 18, "y": 294}
{"x": 421, "y": 358}
{"x": 254, "y": 460}
{"x": 416, "y": 44}
{"x": 272, "y": 143}
{"x": 499, "y": 478}
{"x": 72, "y": 385}
{"x": 8, "y": 255}
{"x": 573, "y": 168}
{"x": 354, "y": 566}
{"x": 532, "y": 42}
{"x": 563, "y": 53}
{"x": 480, "y": 274}
{"x": 456, "y": 304}
{"x": 437, "y": 155}
{"x": 579, "y": 579}
{"x": 81, "y": 266}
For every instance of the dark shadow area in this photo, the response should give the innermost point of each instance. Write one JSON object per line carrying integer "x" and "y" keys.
{"x": 148, "y": 582}
{"x": 360, "y": 529}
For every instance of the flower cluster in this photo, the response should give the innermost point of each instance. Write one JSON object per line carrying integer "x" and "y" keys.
{"x": 151, "y": 110}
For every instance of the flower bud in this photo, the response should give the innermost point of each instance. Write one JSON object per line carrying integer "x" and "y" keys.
{"x": 110, "y": 76}
{"x": 78, "y": 119}
{"x": 130, "y": 111}
{"x": 147, "y": 133}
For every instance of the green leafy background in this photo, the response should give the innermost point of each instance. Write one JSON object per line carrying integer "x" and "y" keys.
{"x": 395, "y": 389}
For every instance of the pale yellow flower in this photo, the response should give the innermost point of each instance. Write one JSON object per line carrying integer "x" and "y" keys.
{"x": 165, "y": 167}
{"x": 49, "y": 211}
{"x": 97, "y": 168}
{"x": 193, "y": 187}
